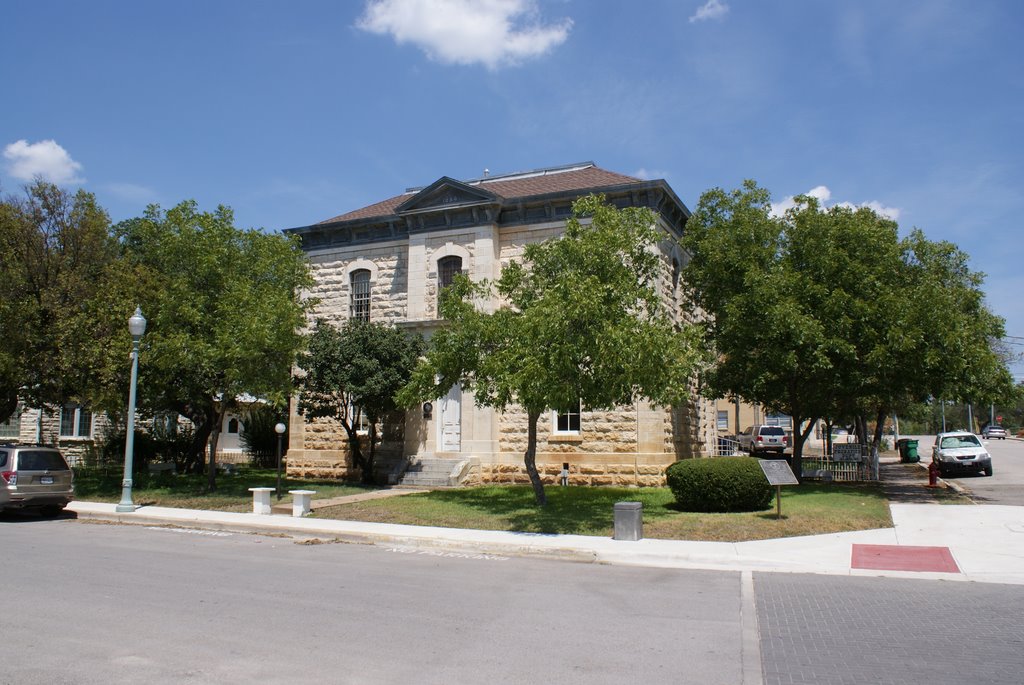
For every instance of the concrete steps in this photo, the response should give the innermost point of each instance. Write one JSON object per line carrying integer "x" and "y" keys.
{"x": 434, "y": 473}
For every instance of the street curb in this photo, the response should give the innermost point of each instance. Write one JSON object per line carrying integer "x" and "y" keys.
{"x": 278, "y": 525}
{"x": 949, "y": 485}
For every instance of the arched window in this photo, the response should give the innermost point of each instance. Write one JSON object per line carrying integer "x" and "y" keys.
{"x": 675, "y": 275}
{"x": 233, "y": 426}
{"x": 360, "y": 295}
{"x": 447, "y": 268}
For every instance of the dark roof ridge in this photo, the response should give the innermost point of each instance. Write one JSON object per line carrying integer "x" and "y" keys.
{"x": 535, "y": 183}
{"x": 516, "y": 175}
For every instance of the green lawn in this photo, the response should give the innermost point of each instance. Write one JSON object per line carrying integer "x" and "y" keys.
{"x": 807, "y": 510}
{"x": 189, "y": 491}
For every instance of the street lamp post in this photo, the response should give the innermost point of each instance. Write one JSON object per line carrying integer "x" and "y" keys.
{"x": 279, "y": 429}
{"x": 136, "y": 326}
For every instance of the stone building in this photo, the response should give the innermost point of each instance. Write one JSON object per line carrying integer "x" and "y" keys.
{"x": 389, "y": 260}
{"x": 80, "y": 432}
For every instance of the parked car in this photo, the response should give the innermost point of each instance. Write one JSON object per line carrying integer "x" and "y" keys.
{"x": 993, "y": 430}
{"x": 763, "y": 439}
{"x": 34, "y": 477}
{"x": 960, "y": 450}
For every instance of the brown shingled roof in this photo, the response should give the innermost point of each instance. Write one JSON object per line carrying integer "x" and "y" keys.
{"x": 511, "y": 186}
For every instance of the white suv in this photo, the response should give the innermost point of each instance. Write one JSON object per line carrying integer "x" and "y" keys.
{"x": 34, "y": 477}
{"x": 762, "y": 439}
{"x": 960, "y": 450}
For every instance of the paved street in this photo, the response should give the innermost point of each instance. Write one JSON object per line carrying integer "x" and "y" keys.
{"x": 823, "y": 630}
{"x": 1005, "y": 486}
{"x": 129, "y": 604}
{"x": 99, "y": 603}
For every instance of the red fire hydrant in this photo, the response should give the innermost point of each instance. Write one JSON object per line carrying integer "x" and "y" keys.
{"x": 933, "y": 475}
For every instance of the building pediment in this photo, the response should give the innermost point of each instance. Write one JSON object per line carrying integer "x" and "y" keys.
{"x": 446, "y": 193}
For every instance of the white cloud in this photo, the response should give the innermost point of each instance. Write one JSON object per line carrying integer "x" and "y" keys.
{"x": 712, "y": 9}
{"x": 489, "y": 32}
{"x": 45, "y": 158}
{"x": 822, "y": 194}
{"x": 649, "y": 174}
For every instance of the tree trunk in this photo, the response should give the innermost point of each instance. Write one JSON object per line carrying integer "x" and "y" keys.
{"x": 356, "y": 448}
{"x": 211, "y": 472}
{"x": 876, "y": 439}
{"x": 530, "y": 458}
{"x": 369, "y": 477}
{"x": 800, "y": 436}
{"x": 203, "y": 422}
{"x": 862, "y": 429}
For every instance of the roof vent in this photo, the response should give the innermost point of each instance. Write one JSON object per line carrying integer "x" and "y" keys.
{"x": 487, "y": 172}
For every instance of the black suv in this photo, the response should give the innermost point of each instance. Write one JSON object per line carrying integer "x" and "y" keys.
{"x": 34, "y": 477}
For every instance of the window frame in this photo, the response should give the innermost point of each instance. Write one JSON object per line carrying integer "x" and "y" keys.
{"x": 360, "y": 294}
{"x": 557, "y": 417}
{"x": 779, "y": 420}
{"x": 363, "y": 425}
{"x": 79, "y": 417}
{"x": 11, "y": 428}
{"x": 446, "y": 275}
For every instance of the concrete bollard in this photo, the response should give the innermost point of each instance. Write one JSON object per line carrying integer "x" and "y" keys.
{"x": 301, "y": 501}
{"x": 261, "y": 500}
{"x": 629, "y": 523}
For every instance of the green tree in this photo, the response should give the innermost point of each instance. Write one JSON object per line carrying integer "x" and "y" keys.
{"x": 770, "y": 344}
{"x": 225, "y": 314}
{"x": 353, "y": 372}
{"x": 828, "y": 314}
{"x": 57, "y": 260}
{"x": 580, "y": 324}
{"x": 962, "y": 358}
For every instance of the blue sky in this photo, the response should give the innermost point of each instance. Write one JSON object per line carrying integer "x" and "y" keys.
{"x": 294, "y": 112}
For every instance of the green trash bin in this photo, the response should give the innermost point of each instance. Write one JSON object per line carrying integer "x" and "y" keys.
{"x": 912, "y": 455}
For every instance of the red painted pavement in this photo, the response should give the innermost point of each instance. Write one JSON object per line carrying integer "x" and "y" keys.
{"x": 903, "y": 558}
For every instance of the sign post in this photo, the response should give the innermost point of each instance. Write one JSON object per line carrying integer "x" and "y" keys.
{"x": 778, "y": 474}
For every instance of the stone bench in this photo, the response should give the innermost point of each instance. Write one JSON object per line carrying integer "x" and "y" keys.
{"x": 162, "y": 467}
{"x": 301, "y": 501}
{"x": 261, "y": 500}
{"x": 228, "y": 469}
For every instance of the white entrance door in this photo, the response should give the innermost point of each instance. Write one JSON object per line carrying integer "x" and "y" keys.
{"x": 451, "y": 420}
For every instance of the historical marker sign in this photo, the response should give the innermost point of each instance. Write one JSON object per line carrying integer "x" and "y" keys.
{"x": 778, "y": 472}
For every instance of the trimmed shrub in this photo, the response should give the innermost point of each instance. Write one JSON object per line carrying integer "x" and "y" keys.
{"x": 719, "y": 484}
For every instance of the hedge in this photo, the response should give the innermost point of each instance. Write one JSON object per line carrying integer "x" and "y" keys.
{"x": 719, "y": 484}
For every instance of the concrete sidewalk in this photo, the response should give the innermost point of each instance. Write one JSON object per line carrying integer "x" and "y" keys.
{"x": 984, "y": 543}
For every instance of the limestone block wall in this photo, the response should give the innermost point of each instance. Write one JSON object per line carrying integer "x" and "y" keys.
{"x": 43, "y": 427}
{"x": 620, "y": 475}
{"x": 437, "y": 246}
{"x": 388, "y": 263}
{"x": 626, "y": 446}
{"x": 319, "y": 448}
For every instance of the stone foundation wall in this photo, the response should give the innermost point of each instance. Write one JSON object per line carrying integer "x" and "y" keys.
{"x": 322, "y": 466}
{"x": 622, "y": 475}
{"x": 321, "y": 450}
